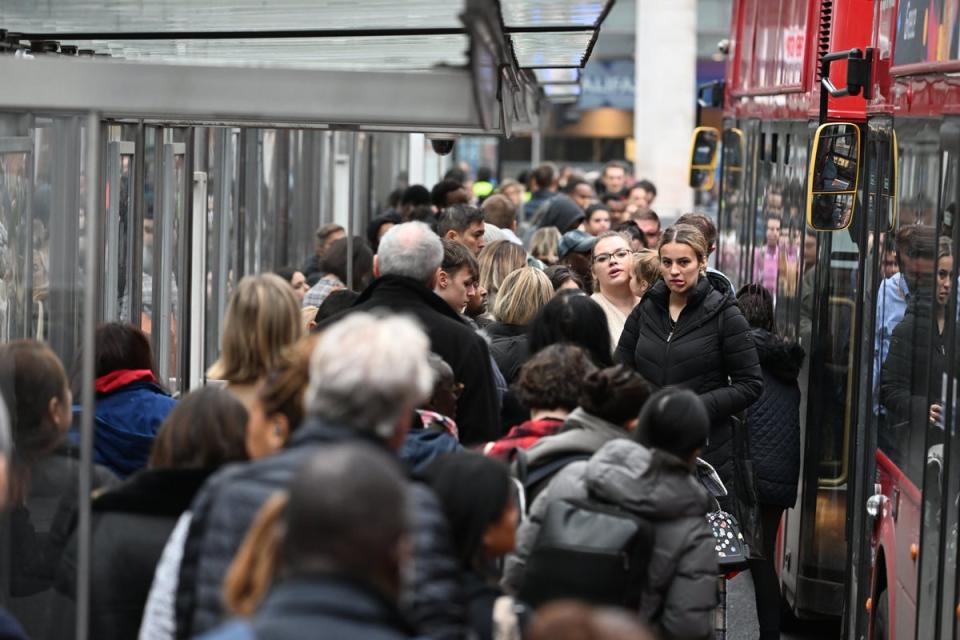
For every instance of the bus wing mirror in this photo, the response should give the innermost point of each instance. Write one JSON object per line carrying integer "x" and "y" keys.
{"x": 703, "y": 157}
{"x": 833, "y": 176}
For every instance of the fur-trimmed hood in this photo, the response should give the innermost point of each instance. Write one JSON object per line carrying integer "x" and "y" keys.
{"x": 780, "y": 357}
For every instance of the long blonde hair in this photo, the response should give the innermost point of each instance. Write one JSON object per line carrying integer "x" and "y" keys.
{"x": 257, "y": 561}
{"x": 522, "y": 294}
{"x": 497, "y": 260}
{"x": 545, "y": 242}
{"x": 261, "y": 323}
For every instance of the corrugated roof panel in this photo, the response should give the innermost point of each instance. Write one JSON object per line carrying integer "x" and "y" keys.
{"x": 551, "y": 13}
{"x": 170, "y": 16}
{"x": 551, "y": 49}
{"x": 412, "y": 53}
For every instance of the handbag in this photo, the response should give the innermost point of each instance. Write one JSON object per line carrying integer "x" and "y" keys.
{"x": 732, "y": 550}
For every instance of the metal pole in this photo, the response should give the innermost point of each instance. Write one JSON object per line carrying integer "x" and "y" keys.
{"x": 536, "y": 148}
{"x": 352, "y": 199}
{"x": 86, "y": 417}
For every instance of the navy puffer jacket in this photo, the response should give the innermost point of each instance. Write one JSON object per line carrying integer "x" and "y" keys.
{"x": 774, "y": 420}
{"x": 230, "y": 500}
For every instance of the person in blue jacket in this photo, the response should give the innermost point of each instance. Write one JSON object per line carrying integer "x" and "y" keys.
{"x": 131, "y": 404}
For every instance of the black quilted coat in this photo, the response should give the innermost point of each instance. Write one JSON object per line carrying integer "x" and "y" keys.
{"x": 723, "y": 371}
{"x": 774, "y": 420}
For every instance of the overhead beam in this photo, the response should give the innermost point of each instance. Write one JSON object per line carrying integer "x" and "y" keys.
{"x": 438, "y": 100}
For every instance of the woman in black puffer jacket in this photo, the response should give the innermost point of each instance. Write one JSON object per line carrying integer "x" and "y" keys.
{"x": 774, "y": 422}
{"x": 686, "y": 333}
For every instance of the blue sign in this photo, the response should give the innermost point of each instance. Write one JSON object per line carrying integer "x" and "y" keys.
{"x": 608, "y": 83}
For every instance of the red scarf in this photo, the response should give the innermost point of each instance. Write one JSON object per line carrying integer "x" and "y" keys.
{"x": 121, "y": 378}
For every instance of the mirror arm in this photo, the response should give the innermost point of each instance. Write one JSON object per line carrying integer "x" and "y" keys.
{"x": 859, "y": 77}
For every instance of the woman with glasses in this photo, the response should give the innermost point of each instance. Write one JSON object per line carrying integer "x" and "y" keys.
{"x": 612, "y": 267}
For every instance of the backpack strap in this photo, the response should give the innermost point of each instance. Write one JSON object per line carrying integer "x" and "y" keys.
{"x": 541, "y": 473}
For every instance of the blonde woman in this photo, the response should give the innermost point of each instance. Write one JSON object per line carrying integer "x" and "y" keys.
{"x": 261, "y": 324}
{"x": 612, "y": 270}
{"x": 544, "y": 245}
{"x": 522, "y": 294}
{"x": 497, "y": 260}
{"x": 646, "y": 271}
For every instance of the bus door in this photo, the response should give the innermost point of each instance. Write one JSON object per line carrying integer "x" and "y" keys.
{"x": 936, "y": 590}
{"x": 905, "y": 345}
{"x": 832, "y": 324}
{"x": 878, "y": 214}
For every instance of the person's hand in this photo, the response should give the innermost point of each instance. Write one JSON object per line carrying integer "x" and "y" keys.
{"x": 936, "y": 413}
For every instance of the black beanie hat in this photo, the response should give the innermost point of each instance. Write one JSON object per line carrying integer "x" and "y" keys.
{"x": 673, "y": 420}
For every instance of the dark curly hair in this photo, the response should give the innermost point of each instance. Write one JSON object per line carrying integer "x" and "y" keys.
{"x": 615, "y": 394}
{"x": 551, "y": 378}
{"x": 757, "y": 306}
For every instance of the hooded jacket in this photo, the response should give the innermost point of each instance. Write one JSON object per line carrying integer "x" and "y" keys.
{"x": 127, "y": 419}
{"x": 724, "y": 370}
{"x": 582, "y": 433}
{"x": 561, "y": 212}
{"x": 774, "y": 420}
{"x": 451, "y": 339}
{"x": 681, "y": 590}
{"x": 228, "y": 503}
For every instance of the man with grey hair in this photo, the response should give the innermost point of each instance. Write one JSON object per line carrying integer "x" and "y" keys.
{"x": 368, "y": 372}
{"x": 407, "y": 266}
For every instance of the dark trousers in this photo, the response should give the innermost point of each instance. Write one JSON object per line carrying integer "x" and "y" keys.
{"x": 766, "y": 586}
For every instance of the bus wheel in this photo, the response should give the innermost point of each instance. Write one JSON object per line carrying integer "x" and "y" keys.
{"x": 881, "y": 617}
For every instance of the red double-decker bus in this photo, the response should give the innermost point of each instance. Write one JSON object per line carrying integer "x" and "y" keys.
{"x": 856, "y": 219}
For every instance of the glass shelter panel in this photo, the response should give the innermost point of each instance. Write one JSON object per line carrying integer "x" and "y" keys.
{"x": 43, "y": 246}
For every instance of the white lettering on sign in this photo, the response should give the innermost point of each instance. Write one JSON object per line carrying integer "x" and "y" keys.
{"x": 910, "y": 25}
{"x": 794, "y": 41}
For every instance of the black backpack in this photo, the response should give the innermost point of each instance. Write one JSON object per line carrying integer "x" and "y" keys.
{"x": 589, "y": 550}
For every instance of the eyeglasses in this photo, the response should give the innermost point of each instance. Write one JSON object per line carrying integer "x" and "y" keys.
{"x": 619, "y": 254}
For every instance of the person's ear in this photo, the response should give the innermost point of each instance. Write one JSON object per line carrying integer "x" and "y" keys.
{"x": 513, "y": 227}
{"x": 55, "y": 411}
{"x": 434, "y": 279}
{"x": 376, "y": 266}
{"x": 452, "y": 235}
{"x": 443, "y": 280}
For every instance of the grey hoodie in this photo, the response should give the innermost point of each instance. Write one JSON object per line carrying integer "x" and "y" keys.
{"x": 681, "y": 591}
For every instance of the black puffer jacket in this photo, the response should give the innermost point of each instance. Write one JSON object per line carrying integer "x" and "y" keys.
{"x": 681, "y": 587}
{"x": 131, "y": 524}
{"x": 228, "y": 503}
{"x": 774, "y": 420}
{"x": 508, "y": 345}
{"x": 723, "y": 370}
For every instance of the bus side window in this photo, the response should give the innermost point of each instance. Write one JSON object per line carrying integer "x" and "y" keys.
{"x": 906, "y": 300}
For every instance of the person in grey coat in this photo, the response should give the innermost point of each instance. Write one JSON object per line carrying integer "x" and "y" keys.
{"x": 650, "y": 475}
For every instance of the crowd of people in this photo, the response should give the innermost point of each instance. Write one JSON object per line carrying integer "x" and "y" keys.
{"x": 392, "y": 433}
